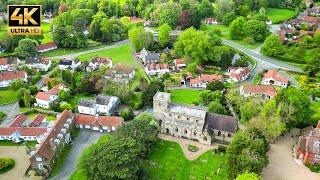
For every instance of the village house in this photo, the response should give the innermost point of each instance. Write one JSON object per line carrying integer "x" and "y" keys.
{"x": 156, "y": 69}
{"x": 45, "y": 83}
{"x": 120, "y": 73}
{"x": 23, "y": 129}
{"x": 46, "y": 47}
{"x": 180, "y": 64}
{"x": 99, "y": 62}
{"x": 103, "y": 104}
{"x": 265, "y": 91}
{"x": 148, "y": 57}
{"x": 204, "y": 79}
{"x": 8, "y": 76}
{"x": 8, "y": 63}
{"x": 192, "y": 122}
{"x": 308, "y": 149}
{"x": 237, "y": 74}
{"x": 43, "y": 99}
{"x": 41, "y": 64}
{"x": 43, "y": 159}
{"x": 65, "y": 64}
{"x": 134, "y": 20}
{"x": 211, "y": 21}
{"x": 272, "y": 77}
{"x": 98, "y": 123}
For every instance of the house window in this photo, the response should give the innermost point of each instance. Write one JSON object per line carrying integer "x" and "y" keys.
{"x": 159, "y": 104}
{"x": 188, "y": 119}
{"x": 219, "y": 133}
{"x": 40, "y": 166}
{"x": 229, "y": 135}
{"x": 38, "y": 159}
{"x": 178, "y": 116}
{"x": 177, "y": 130}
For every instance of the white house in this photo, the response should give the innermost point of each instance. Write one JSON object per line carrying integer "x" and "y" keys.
{"x": 46, "y": 47}
{"x": 211, "y": 21}
{"x": 180, "y": 64}
{"x": 98, "y": 123}
{"x": 204, "y": 79}
{"x": 154, "y": 69}
{"x": 8, "y": 76}
{"x": 41, "y": 64}
{"x": 272, "y": 77}
{"x": 120, "y": 73}
{"x": 43, "y": 99}
{"x": 266, "y": 91}
{"x": 87, "y": 107}
{"x": 237, "y": 74}
{"x": 148, "y": 57}
{"x": 8, "y": 63}
{"x": 69, "y": 64}
{"x": 106, "y": 104}
{"x": 98, "y": 62}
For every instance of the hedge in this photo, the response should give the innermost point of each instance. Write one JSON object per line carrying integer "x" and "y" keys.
{"x": 6, "y": 164}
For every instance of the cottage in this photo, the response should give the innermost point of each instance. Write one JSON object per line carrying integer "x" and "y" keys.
{"x": 272, "y": 77}
{"x": 98, "y": 62}
{"x": 43, "y": 159}
{"x": 8, "y": 76}
{"x": 41, "y": 64}
{"x": 46, "y": 47}
{"x": 43, "y": 99}
{"x": 148, "y": 57}
{"x": 120, "y": 73}
{"x": 204, "y": 79}
{"x": 237, "y": 74}
{"x": 87, "y": 107}
{"x": 8, "y": 63}
{"x": 69, "y": 64}
{"x": 266, "y": 91}
{"x": 308, "y": 149}
{"x": 180, "y": 64}
{"x": 211, "y": 21}
{"x": 98, "y": 123}
{"x": 156, "y": 69}
{"x": 106, "y": 104}
{"x": 192, "y": 122}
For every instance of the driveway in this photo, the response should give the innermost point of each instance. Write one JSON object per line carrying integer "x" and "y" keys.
{"x": 84, "y": 139}
{"x": 11, "y": 110}
{"x": 282, "y": 165}
{"x": 19, "y": 154}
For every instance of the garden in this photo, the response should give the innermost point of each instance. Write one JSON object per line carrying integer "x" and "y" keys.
{"x": 6, "y": 164}
{"x": 185, "y": 96}
{"x": 279, "y": 15}
{"x": 7, "y": 96}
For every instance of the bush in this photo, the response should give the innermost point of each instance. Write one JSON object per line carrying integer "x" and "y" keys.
{"x": 249, "y": 40}
{"x": 6, "y": 164}
{"x": 222, "y": 149}
{"x": 127, "y": 114}
{"x": 313, "y": 168}
{"x": 2, "y": 116}
{"x": 192, "y": 148}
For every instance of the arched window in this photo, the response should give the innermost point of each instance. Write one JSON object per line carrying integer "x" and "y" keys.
{"x": 177, "y": 130}
{"x": 185, "y": 131}
{"x": 205, "y": 138}
{"x": 229, "y": 135}
{"x": 219, "y": 133}
{"x": 195, "y": 133}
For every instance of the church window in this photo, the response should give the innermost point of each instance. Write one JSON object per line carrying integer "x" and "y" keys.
{"x": 185, "y": 131}
{"x": 188, "y": 119}
{"x": 205, "y": 138}
{"x": 177, "y": 130}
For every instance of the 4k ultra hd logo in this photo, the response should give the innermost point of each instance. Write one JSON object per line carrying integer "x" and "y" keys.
{"x": 24, "y": 19}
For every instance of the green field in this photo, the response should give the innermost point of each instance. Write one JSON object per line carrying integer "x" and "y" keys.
{"x": 224, "y": 29}
{"x": 8, "y": 96}
{"x": 3, "y": 30}
{"x": 47, "y": 35}
{"x": 185, "y": 96}
{"x": 315, "y": 106}
{"x": 168, "y": 162}
{"x": 279, "y": 15}
{"x": 121, "y": 54}
{"x": 48, "y": 117}
{"x": 11, "y": 143}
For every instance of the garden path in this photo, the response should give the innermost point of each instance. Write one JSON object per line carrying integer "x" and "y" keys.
{"x": 184, "y": 143}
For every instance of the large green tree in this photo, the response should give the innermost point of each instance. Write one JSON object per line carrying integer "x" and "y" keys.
{"x": 164, "y": 35}
{"x": 272, "y": 46}
{"x": 257, "y": 30}
{"x": 139, "y": 38}
{"x": 26, "y": 48}
{"x": 167, "y": 13}
{"x": 237, "y": 28}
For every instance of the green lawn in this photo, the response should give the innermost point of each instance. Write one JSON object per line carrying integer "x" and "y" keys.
{"x": 168, "y": 162}
{"x": 11, "y": 143}
{"x": 121, "y": 54}
{"x": 47, "y": 34}
{"x": 315, "y": 106}
{"x": 3, "y": 31}
{"x": 257, "y": 78}
{"x": 279, "y": 15}
{"x": 224, "y": 29}
{"x": 185, "y": 96}
{"x": 48, "y": 117}
{"x": 8, "y": 96}
{"x": 2, "y": 116}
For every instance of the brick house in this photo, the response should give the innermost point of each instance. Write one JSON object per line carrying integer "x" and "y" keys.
{"x": 45, "y": 156}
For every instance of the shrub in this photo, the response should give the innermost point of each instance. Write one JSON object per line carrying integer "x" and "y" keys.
{"x": 2, "y": 116}
{"x": 222, "y": 149}
{"x": 127, "y": 114}
{"x": 192, "y": 148}
{"x": 6, "y": 164}
{"x": 249, "y": 40}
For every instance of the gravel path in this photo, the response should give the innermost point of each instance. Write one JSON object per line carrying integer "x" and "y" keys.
{"x": 11, "y": 110}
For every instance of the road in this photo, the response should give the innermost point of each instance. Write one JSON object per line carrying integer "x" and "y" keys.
{"x": 11, "y": 110}
{"x": 84, "y": 140}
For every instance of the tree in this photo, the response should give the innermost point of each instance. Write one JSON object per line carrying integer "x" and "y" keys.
{"x": 164, "y": 35}
{"x": 216, "y": 107}
{"x": 105, "y": 159}
{"x": 258, "y": 30}
{"x": 313, "y": 65}
{"x": 139, "y": 38}
{"x": 207, "y": 96}
{"x": 112, "y": 30}
{"x": 260, "y": 17}
{"x": 215, "y": 86}
{"x": 205, "y": 9}
{"x": 167, "y": 13}
{"x": 94, "y": 29}
{"x": 27, "y": 98}
{"x": 228, "y": 18}
{"x": 224, "y": 6}
{"x": 17, "y": 84}
{"x": 26, "y": 48}
{"x": 154, "y": 86}
{"x": 248, "y": 176}
{"x": 249, "y": 110}
{"x": 64, "y": 95}
{"x": 272, "y": 46}
{"x": 237, "y": 28}
{"x": 127, "y": 114}
{"x": 185, "y": 19}
{"x": 65, "y": 105}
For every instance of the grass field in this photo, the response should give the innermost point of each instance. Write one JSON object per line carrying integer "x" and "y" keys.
{"x": 8, "y": 96}
{"x": 3, "y": 30}
{"x": 168, "y": 162}
{"x": 224, "y": 29}
{"x": 315, "y": 106}
{"x": 33, "y": 115}
{"x": 121, "y": 54}
{"x": 185, "y": 96}
{"x": 11, "y": 143}
{"x": 279, "y": 15}
{"x": 46, "y": 29}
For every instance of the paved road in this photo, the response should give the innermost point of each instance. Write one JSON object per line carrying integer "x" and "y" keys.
{"x": 73, "y": 55}
{"x": 11, "y": 110}
{"x": 84, "y": 139}
{"x": 262, "y": 61}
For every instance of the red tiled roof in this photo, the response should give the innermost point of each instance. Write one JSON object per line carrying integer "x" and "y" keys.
{"x": 110, "y": 121}
{"x": 180, "y": 61}
{"x": 273, "y": 74}
{"x": 82, "y": 119}
{"x": 9, "y": 75}
{"x": 195, "y": 81}
{"x": 210, "y": 77}
{"x": 238, "y": 72}
{"x": 260, "y": 89}
{"x": 18, "y": 120}
{"x": 3, "y": 61}
{"x": 47, "y": 148}
{"x": 24, "y": 131}
{"x": 46, "y": 46}
{"x": 37, "y": 120}
{"x": 55, "y": 90}
{"x": 136, "y": 19}
{"x": 43, "y": 96}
